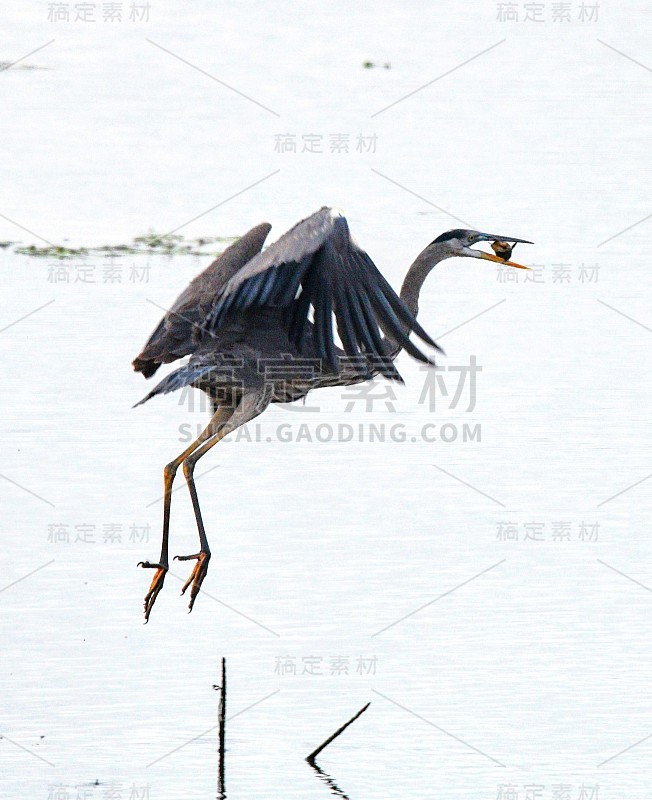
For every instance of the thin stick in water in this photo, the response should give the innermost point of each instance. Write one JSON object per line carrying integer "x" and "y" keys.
{"x": 221, "y": 718}
{"x": 310, "y": 759}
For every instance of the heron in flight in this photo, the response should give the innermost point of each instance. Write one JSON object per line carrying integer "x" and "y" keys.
{"x": 258, "y": 327}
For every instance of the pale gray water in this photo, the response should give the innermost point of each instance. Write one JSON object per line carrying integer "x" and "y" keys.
{"x": 543, "y": 662}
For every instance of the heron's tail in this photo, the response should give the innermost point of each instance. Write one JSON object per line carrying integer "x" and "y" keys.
{"x": 184, "y": 376}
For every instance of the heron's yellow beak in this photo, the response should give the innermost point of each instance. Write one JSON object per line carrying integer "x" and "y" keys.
{"x": 498, "y": 260}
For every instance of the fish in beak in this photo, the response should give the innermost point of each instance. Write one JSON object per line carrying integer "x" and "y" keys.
{"x": 502, "y": 247}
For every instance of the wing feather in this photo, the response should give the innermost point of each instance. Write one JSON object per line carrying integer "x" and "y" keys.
{"x": 175, "y": 335}
{"x": 318, "y": 264}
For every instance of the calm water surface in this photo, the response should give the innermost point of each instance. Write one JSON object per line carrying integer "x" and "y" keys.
{"x": 527, "y": 662}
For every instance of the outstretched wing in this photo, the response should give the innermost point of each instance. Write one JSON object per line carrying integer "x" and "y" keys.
{"x": 318, "y": 264}
{"x": 173, "y": 337}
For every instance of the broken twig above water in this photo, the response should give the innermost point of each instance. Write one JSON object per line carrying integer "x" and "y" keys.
{"x": 311, "y": 758}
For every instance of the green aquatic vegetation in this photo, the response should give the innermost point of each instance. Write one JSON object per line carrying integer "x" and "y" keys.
{"x": 374, "y": 65}
{"x": 165, "y": 242}
{"x": 117, "y": 249}
{"x": 204, "y": 240}
{"x": 168, "y": 244}
{"x": 52, "y": 251}
{"x": 5, "y": 65}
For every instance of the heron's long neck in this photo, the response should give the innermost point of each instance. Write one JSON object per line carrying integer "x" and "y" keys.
{"x": 414, "y": 280}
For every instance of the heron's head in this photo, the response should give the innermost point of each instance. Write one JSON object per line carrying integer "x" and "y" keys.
{"x": 459, "y": 242}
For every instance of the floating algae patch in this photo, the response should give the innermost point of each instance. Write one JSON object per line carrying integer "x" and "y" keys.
{"x": 5, "y": 65}
{"x": 156, "y": 242}
{"x": 150, "y": 243}
{"x": 52, "y": 251}
{"x": 376, "y": 65}
{"x": 117, "y": 249}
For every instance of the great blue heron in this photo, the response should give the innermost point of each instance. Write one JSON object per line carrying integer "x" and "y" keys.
{"x": 251, "y": 309}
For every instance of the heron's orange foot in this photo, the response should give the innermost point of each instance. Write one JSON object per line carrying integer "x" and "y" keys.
{"x": 156, "y": 585}
{"x": 196, "y": 576}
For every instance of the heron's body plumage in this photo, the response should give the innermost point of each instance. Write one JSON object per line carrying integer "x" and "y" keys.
{"x": 245, "y": 322}
{"x": 257, "y": 326}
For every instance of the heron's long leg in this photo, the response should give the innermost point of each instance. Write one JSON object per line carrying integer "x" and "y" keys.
{"x": 162, "y": 566}
{"x": 250, "y": 406}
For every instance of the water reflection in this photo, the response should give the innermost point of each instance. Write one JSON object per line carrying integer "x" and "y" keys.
{"x": 329, "y": 781}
